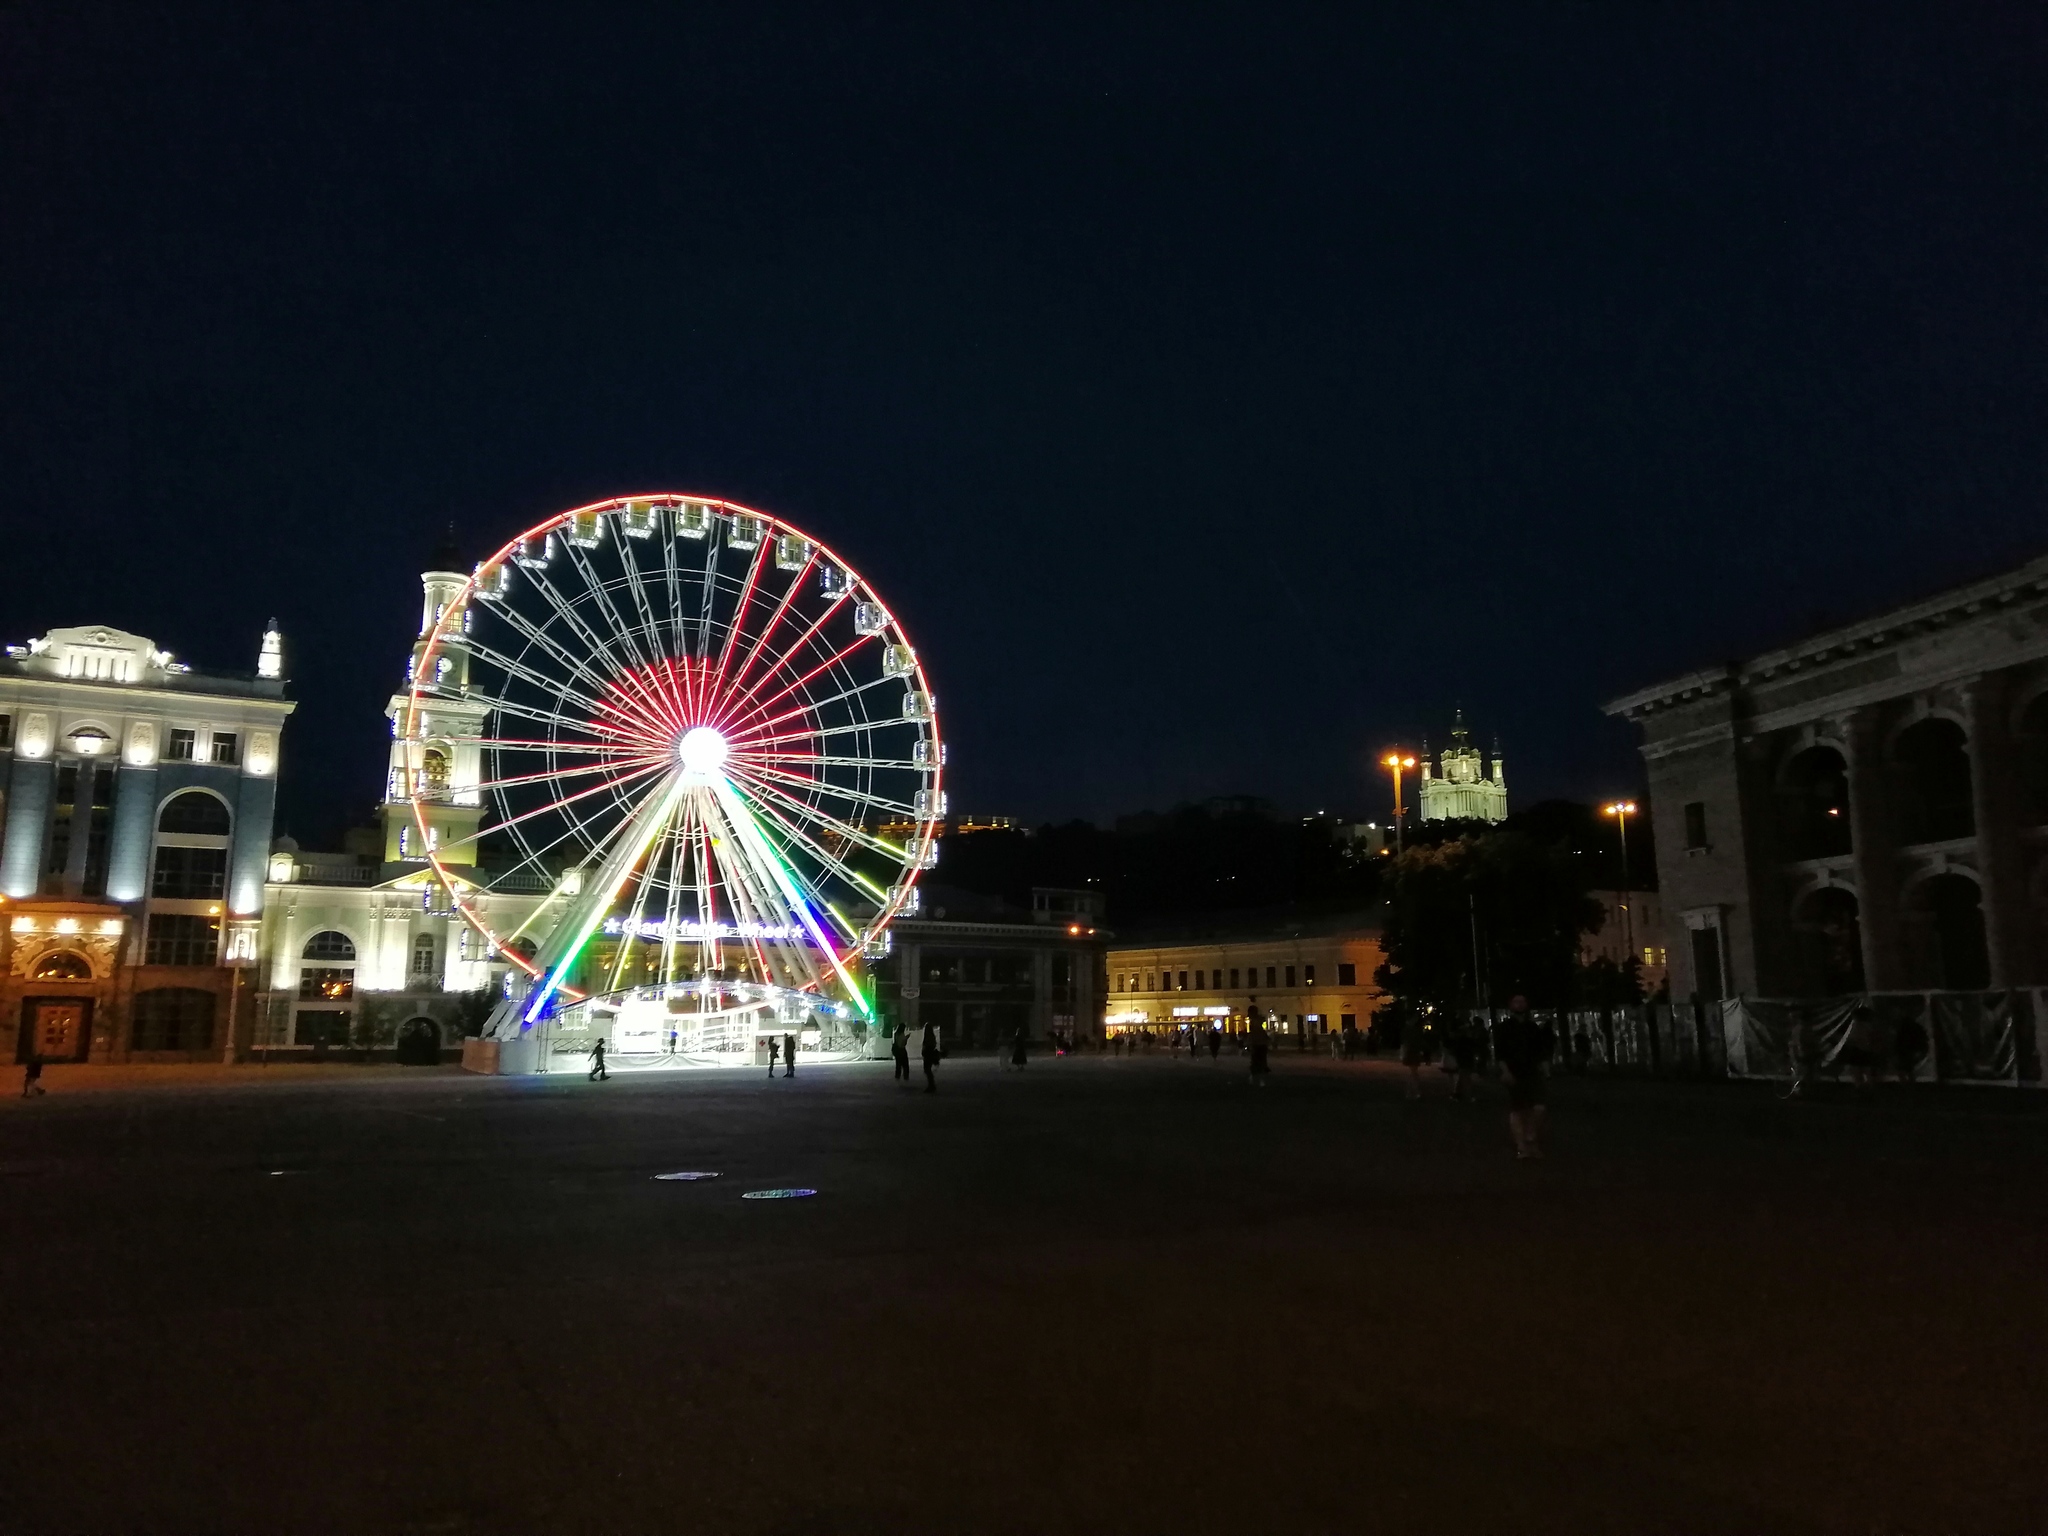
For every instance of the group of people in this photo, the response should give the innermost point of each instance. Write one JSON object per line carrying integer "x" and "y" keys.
{"x": 1523, "y": 1045}
{"x": 934, "y": 1052}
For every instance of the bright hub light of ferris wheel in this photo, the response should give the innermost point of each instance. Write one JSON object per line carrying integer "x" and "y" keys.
{"x": 701, "y": 751}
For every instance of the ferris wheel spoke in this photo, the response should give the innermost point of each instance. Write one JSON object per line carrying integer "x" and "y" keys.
{"x": 753, "y": 841}
{"x": 600, "y": 593}
{"x": 537, "y": 637}
{"x": 789, "y": 653}
{"x": 555, "y": 806}
{"x": 520, "y": 709}
{"x": 567, "y": 612}
{"x": 775, "y": 619}
{"x": 851, "y": 831}
{"x": 827, "y": 760}
{"x": 739, "y": 613}
{"x": 818, "y": 851}
{"x": 634, "y": 584}
{"x": 555, "y": 775}
{"x": 812, "y": 707}
{"x": 837, "y": 791}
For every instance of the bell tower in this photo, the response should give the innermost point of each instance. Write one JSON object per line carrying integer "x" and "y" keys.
{"x": 434, "y": 750}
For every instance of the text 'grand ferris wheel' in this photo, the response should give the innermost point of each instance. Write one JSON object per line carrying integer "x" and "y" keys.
{"x": 704, "y": 735}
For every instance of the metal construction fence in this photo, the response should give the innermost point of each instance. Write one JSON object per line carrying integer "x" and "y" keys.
{"x": 1957, "y": 1037}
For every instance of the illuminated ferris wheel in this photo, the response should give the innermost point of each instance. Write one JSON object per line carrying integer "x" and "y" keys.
{"x": 707, "y": 739}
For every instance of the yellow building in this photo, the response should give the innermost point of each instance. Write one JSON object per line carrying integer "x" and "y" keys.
{"x": 1314, "y": 982}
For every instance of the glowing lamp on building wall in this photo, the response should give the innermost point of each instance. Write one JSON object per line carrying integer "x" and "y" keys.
{"x": 248, "y": 899}
{"x": 89, "y": 740}
{"x": 262, "y": 758}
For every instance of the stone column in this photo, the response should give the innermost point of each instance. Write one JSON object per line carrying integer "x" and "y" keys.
{"x": 1875, "y": 852}
{"x": 1995, "y": 793}
{"x": 28, "y": 823}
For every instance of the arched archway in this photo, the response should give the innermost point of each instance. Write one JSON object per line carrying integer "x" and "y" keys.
{"x": 1946, "y": 924}
{"x": 419, "y": 1043}
{"x": 62, "y": 965}
{"x": 1933, "y": 775}
{"x": 195, "y": 813}
{"x": 1830, "y": 938}
{"x": 1813, "y": 804}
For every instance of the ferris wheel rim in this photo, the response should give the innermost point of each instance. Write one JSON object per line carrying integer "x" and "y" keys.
{"x": 420, "y": 695}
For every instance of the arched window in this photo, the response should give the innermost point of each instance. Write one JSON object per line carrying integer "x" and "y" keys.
{"x": 1813, "y": 805}
{"x": 195, "y": 813}
{"x": 62, "y": 965}
{"x": 2033, "y": 745}
{"x": 329, "y": 945}
{"x": 1828, "y": 923}
{"x": 434, "y": 771}
{"x": 1934, "y": 782}
{"x": 332, "y": 975}
{"x": 171, "y": 1019}
{"x": 424, "y": 954}
{"x": 1947, "y": 915}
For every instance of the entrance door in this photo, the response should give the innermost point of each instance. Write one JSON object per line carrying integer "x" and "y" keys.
{"x": 54, "y": 1028}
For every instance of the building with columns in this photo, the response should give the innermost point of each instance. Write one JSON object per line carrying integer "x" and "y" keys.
{"x": 1866, "y": 810}
{"x": 1458, "y": 784}
{"x": 138, "y": 799}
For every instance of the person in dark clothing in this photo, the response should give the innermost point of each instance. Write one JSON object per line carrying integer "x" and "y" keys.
{"x": 789, "y": 1056}
{"x": 899, "y": 1047}
{"x": 1260, "y": 1043}
{"x": 774, "y": 1054}
{"x": 1464, "y": 1048}
{"x": 1414, "y": 1048}
{"x": 1020, "y": 1048}
{"x": 1523, "y": 1046}
{"x": 597, "y": 1070}
{"x": 32, "y": 1077}
{"x": 932, "y": 1052}
{"x": 1909, "y": 1048}
{"x": 1215, "y": 1040}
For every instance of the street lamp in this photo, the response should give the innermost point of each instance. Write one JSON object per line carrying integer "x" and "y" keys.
{"x": 1621, "y": 810}
{"x": 1397, "y": 762}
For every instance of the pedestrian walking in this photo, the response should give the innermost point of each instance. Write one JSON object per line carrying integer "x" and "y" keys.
{"x": 788, "y": 1056}
{"x": 1464, "y": 1049}
{"x": 1860, "y": 1051}
{"x": 1799, "y": 1053}
{"x": 1414, "y": 1030}
{"x": 32, "y": 1077}
{"x": 932, "y": 1052}
{"x": 597, "y": 1071}
{"x": 899, "y": 1047}
{"x": 1260, "y": 1044}
{"x": 1019, "y": 1047}
{"x": 1523, "y": 1045}
{"x": 1909, "y": 1048}
{"x": 774, "y": 1054}
{"x": 1215, "y": 1040}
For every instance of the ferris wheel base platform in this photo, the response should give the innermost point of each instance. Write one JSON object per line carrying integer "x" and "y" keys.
{"x": 525, "y": 1057}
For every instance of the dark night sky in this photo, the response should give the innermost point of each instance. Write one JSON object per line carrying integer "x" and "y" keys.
{"x": 1217, "y": 399}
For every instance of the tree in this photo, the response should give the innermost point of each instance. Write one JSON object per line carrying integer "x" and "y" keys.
{"x": 1501, "y": 903}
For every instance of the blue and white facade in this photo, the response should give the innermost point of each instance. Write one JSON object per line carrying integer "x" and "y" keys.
{"x": 136, "y": 803}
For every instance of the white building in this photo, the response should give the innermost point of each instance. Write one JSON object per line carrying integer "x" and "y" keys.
{"x": 138, "y": 796}
{"x": 364, "y": 948}
{"x": 1463, "y": 789}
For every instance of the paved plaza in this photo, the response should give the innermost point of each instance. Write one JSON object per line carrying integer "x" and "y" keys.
{"x": 1100, "y": 1295}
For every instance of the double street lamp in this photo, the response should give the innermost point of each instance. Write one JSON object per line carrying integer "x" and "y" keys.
{"x": 1397, "y": 761}
{"x": 1621, "y": 810}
